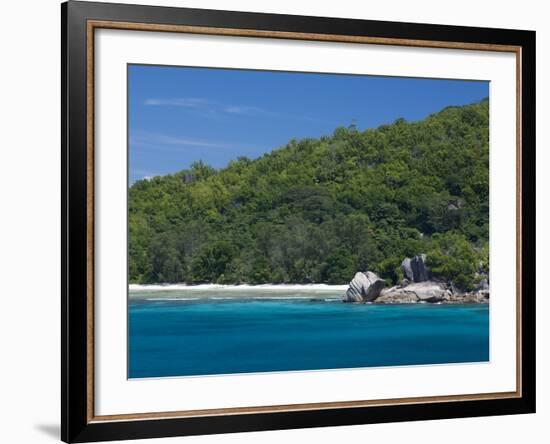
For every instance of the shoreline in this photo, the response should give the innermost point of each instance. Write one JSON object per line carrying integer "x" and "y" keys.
{"x": 304, "y": 292}
{"x": 239, "y": 287}
{"x": 184, "y": 292}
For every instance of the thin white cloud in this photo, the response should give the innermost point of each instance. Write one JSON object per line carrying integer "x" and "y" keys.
{"x": 169, "y": 140}
{"x": 209, "y": 108}
{"x": 172, "y": 143}
{"x": 244, "y": 110}
{"x": 186, "y": 102}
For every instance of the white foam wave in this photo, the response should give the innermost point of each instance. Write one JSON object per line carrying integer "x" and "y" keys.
{"x": 172, "y": 299}
{"x": 222, "y": 298}
{"x": 278, "y": 298}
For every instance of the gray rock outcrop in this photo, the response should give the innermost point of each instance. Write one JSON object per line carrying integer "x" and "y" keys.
{"x": 469, "y": 298}
{"x": 428, "y": 291}
{"x": 415, "y": 269}
{"x": 396, "y": 295}
{"x": 483, "y": 285}
{"x": 416, "y": 286}
{"x": 407, "y": 269}
{"x": 419, "y": 268}
{"x": 364, "y": 287}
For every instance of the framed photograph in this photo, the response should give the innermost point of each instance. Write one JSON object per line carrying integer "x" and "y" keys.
{"x": 275, "y": 221}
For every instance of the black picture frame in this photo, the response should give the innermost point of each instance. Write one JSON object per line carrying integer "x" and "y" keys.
{"x": 76, "y": 423}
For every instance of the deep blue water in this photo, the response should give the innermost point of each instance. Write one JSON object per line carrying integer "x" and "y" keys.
{"x": 204, "y": 337}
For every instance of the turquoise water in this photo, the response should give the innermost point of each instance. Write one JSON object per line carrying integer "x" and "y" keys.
{"x": 211, "y": 336}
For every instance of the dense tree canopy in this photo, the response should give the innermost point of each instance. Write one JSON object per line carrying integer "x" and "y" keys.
{"x": 318, "y": 210}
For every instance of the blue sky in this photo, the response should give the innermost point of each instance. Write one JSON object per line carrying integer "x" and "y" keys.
{"x": 179, "y": 115}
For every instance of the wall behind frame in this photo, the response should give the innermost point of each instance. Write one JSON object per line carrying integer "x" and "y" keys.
{"x": 29, "y": 227}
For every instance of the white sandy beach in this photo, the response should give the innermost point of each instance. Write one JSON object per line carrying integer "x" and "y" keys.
{"x": 217, "y": 291}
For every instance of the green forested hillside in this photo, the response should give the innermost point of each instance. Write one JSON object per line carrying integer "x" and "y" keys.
{"x": 318, "y": 210}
